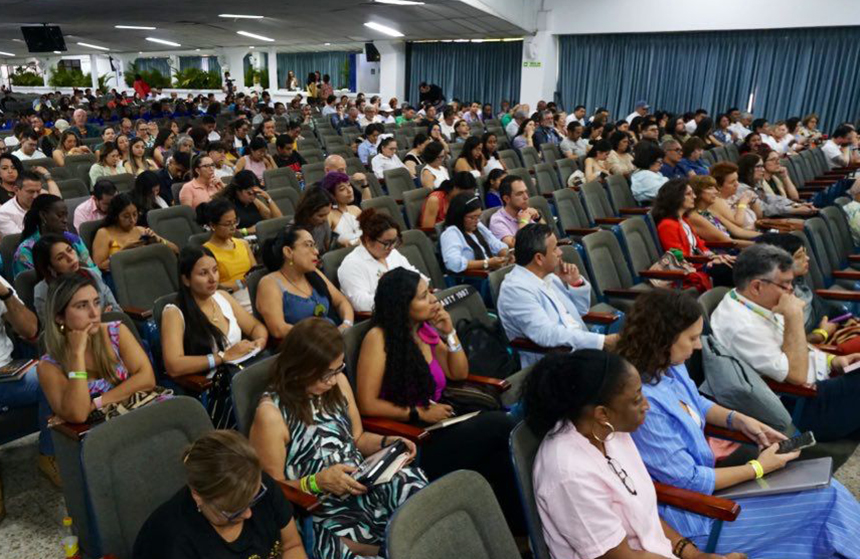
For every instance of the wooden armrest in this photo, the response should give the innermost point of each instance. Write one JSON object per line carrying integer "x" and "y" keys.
{"x": 838, "y": 294}
{"x": 527, "y": 345}
{"x": 634, "y": 211}
{"x": 362, "y": 315}
{"x": 576, "y": 231}
{"x": 846, "y": 274}
{"x": 675, "y": 275}
{"x": 698, "y": 258}
{"x": 811, "y": 189}
{"x": 74, "y": 431}
{"x": 819, "y": 182}
{"x": 193, "y": 383}
{"x": 384, "y": 426}
{"x": 609, "y": 220}
{"x": 854, "y": 258}
{"x": 600, "y": 317}
{"x": 137, "y": 313}
{"x": 792, "y": 389}
{"x": 623, "y": 293}
{"x": 298, "y": 497}
{"x": 705, "y": 505}
{"x": 498, "y": 383}
{"x": 727, "y": 434}
{"x": 721, "y": 244}
{"x": 474, "y": 273}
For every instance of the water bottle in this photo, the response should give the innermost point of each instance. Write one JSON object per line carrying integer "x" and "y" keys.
{"x": 70, "y": 542}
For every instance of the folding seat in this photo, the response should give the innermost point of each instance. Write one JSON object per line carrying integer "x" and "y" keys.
{"x": 530, "y": 156}
{"x": 281, "y": 178}
{"x": 398, "y": 181}
{"x": 176, "y": 223}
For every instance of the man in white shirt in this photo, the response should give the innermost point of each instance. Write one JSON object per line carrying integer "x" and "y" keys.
{"x": 693, "y": 123}
{"x": 369, "y": 116}
{"x": 639, "y": 109}
{"x": 330, "y": 105}
{"x": 574, "y": 146}
{"x": 740, "y": 128}
{"x": 577, "y": 115}
{"x": 514, "y": 125}
{"x": 837, "y": 148}
{"x": 12, "y": 212}
{"x": 761, "y": 127}
{"x": 447, "y": 123}
{"x": 27, "y": 149}
{"x": 761, "y": 323}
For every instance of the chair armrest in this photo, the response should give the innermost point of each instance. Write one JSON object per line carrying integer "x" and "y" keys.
{"x": 362, "y": 315}
{"x": 599, "y": 317}
{"x": 846, "y": 274}
{"x": 74, "y": 431}
{"x": 634, "y": 211}
{"x": 480, "y": 273}
{"x": 727, "y": 434}
{"x": 193, "y": 383}
{"x": 814, "y": 182}
{"x": 791, "y": 389}
{"x": 297, "y": 497}
{"x": 623, "y": 293}
{"x": 527, "y": 345}
{"x": 577, "y": 231}
{"x": 500, "y": 384}
{"x": 384, "y": 426}
{"x": 698, "y": 258}
{"x": 721, "y": 244}
{"x": 838, "y": 294}
{"x": 705, "y": 505}
{"x": 427, "y": 230}
{"x": 854, "y": 258}
{"x": 609, "y": 220}
{"x": 137, "y": 313}
{"x": 675, "y": 275}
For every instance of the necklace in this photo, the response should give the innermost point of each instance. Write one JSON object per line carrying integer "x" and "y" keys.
{"x": 214, "y": 317}
{"x": 299, "y": 289}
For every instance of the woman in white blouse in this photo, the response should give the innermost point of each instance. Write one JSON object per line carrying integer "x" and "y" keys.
{"x": 377, "y": 254}
{"x": 343, "y": 217}
{"x": 386, "y": 157}
{"x": 434, "y": 172}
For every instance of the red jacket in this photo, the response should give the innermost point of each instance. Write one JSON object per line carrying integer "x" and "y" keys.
{"x": 672, "y": 236}
{"x": 142, "y": 88}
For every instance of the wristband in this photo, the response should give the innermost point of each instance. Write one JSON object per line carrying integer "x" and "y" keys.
{"x": 98, "y": 402}
{"x": 244, "y": 231}
{"x": 312, "y": 483}
{"x": 346, "y": 322}
{"x": 211, "y": 359}
{"x": 303, "y": 485}
{"x": 523, "y": 222}
{"x": 729, "y": 419}
{"x": 822, "y": 332}
{"x": 756, "y": 465}
{"x": 9, "y": 294}
{"x": 830, "y": 359}
{"x": 742, "y": 206}
{"x": 78, "y": 375}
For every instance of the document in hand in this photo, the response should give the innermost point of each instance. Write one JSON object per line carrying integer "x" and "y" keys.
{"x": 381, "y": 466}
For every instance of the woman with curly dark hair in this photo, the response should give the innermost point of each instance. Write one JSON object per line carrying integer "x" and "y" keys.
{"x": 661, "y": 332}
{"x": 407, "y": 359}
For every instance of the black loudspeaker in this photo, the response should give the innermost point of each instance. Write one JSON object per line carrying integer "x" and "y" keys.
{"x": 43, "y": 38}
{"x": 371, "y": 53}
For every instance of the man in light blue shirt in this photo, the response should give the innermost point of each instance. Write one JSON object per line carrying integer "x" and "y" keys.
{"x": 367, "y": 148}
{"x": 542, "y": 298}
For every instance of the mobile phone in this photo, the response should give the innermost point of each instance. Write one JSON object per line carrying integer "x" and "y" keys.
{"x": 145, "y": 238}
{"x": 798, "y": 442}
{"x": 841, "y": 318}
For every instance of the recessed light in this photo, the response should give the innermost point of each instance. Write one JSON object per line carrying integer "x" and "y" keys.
{"x": 93, "y": 46}
{"x": 327, "y": 44}
{"x": 145, "y": 28}
{"x": 163, "y": 42}
{"x": 383, "y": 29}
{"x": 6, "y": 53}
{"x": 252, "y": 46}
{"x": 197, "y": 50}
{"x": 58, "y": 52}
{"x": 240, "y": 16}
{"x": 255, "y": 36}
{"x": 400, "y": 2}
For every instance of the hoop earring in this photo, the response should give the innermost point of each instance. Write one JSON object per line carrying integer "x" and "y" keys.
{"x": 608, "y": 437}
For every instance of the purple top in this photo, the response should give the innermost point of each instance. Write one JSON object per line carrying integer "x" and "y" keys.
{"x": 100, "y": 386}
{"x": 430, "y": 336}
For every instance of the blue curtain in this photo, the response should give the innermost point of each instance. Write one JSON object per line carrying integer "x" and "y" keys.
{"x": 484, "y": 72}
{"x": 303, "y": 63}
{"x": 790, "y": 72}
{"x": 186, "y": 62}
{"x": 160, "y": 64}
{"x": 214, "y": 66}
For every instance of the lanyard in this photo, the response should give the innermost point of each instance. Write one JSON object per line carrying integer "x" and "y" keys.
{"x": 733, "y": 294}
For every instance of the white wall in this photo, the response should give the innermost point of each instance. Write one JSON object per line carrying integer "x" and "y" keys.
{"x": 366, "y": 74}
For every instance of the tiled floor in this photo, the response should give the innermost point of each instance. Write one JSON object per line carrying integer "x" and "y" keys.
{"x": 33, "y": 526}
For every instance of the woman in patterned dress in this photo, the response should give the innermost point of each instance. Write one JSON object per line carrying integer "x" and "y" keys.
{"x": 308, "y": 425}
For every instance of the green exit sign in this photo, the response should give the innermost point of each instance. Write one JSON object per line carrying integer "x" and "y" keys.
{"x": 531, "y": 64}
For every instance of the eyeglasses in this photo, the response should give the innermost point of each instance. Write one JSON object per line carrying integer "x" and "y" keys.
{"x": 388, "y": 245}
{"x": 232, "y": 516}
{"x": 333, "y": 373}
{"x": 622, "y": 475}
{"x": 229, "y": 224}
{"x": 787, "y": 288}
{"x": 759, "y": 165}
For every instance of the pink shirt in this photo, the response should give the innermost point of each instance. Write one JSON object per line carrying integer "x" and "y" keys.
{"x": 87, "y": 211}
{"x": 193, "y": 193}
{"x": 584, "y": 506}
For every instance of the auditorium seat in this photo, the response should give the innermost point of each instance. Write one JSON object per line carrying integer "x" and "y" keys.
{"x": 608, "y": 269}
{"x": 386, "y": 204}
{"x": 142, "y": 275}
{"x": 621, "y": 197}
{"x": 530, "y": 156}
{"x": 73, "y": 188}
{"x": 269, "y": 228}
{"x": 332, "y": 260}
{"x": 510, "y": 158}
{"x": 176, "y": 223}
{"x": 573, "y": 220}
{"x": 398, "y": 181}
{"x": 285, "y": 198}
{"x": 526, "y": 177}
{"x": 8, "y": 245}
{"x": 87, "y": 232}
{"x": 598, "y": 207}
{"x": 281, "y": 178}
{"x": 547, "y": 179}
{"x": 413, "y": 201}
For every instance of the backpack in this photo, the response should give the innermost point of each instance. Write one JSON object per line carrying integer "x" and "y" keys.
{"x": 487, "y": 349}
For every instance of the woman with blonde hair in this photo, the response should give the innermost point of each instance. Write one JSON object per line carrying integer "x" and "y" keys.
{"x": 137, "y": 161}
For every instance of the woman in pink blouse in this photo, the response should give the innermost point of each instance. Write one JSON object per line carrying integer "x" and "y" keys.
{"x": 594, "y": 495}
{"x": 204, "y": 185}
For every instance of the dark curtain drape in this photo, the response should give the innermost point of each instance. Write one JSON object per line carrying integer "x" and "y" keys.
{"x": 333, "y": 63}
{"x": 148, "y": 64}
{"x": 486, "y": 72}
{"x": 788, "y": 72}
{"x": 186, "y": 62}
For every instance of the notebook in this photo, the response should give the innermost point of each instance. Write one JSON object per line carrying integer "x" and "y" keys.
{"x": 799, "y": 475}
{"x": 451, "y": 421}
{"x": 381, "y": 466}
{"x": 15, "y": 369}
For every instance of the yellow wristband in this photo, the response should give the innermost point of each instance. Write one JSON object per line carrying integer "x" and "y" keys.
{"x": 823, "y": 333}
{"x": 742, "y": 206}
{"x": 756, "y": 465}
{"x": 830, "y": 359}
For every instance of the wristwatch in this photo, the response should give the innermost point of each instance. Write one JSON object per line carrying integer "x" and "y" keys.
{"x": 413, "y": 415}
{"x": 221, "y": 356}
{"x": 9, "y": 293}
{"x": 486, "y": 264}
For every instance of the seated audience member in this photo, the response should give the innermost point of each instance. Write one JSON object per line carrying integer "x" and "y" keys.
{"x": 109, "y": 163}
{"x": 205, "y": 326}
{"x": 676, "y": 130}
{"x": 10, "y": 169}
{"x": 773, "y": 203}
{"x": 650, "y": 131}
{"x": 377, "y": 254}
{"x": 295, "y": 288}
{"x": 596, "y": 162}
{"x": 48, "y": 214}
{"x": 741, "y": 125}
{"x": 672, "y": 154}
{"x": 163, "y": 145}
{"x": 177, "y": 167}
{"x": 308, "y": 433}
{"x": 54, "y": 256}
{"x": 660, "y": 334}
{"x": 574, "y": 145}
{"x": 808, "y": 130}
{"x": 706, "y": 224}
{"x": 120, "y": 231}
{"x": 751, "y": 144}
{"x": 594, "y": 495}
{"x": 312, "y": 214}
{"x": 28, "y": 147}
{"x": 491, "y": 158}
{"x": 137, "y": 160}
{"x": 704, "y": 130}
{"x": 691, "y": 163}
{"x": 233, "y": 255}
{"x": 646, "y": 182}
{"x": 471, "y": 158}
{"x": 218, "y": 153}
{"x": 675, "y": 201}
{"x": 776, "y": 177}
{"x": 336, "y": 163}
{"x": 546, "y": 133}
{"x": 435, "y": 207}
{"x": 734, "y": 208}
{"x": 620, "y": 159}
{"x": 493, "y": 182}
{"x": 466, "y": 244}
{"x": 146, "y": 195}
{"x": 462, "y": 132}
{"x": 256, "y": 159}
{"x": 525, "y": 135}
{"x": 286, "y": 155}
{"x": 542, "y": 298}
{"x": 204, "y": 184}
{"x": 230, "y": 508}
{"x": 386, "y": 157}
{"x": 852, "y": 211}
{"x": 106, "y": 357}
{"x": 343, "y": 217}
{"x": 405, "y": 364}
{"x": 435, "y": 172}
{"x": 516, "y": 213}
{"x": 368, "y": 148}
{"x": 251, "y": 203}
{"x": 414, "y": 158}
{"x": 761, "y": 322}
{"x": 69, "y": 144}
{"x": 722, "y": 130}
{"x": 95, "y": 207}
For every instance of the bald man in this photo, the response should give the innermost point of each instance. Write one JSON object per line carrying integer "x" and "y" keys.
{"x": 336, "y": 163}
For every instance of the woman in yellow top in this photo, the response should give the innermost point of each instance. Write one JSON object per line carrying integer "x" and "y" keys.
{"x": 234, "y": 256}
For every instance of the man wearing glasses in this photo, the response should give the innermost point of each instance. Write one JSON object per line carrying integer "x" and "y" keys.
{"x": 761, "y": 322}
{"x": 670, "y": 168}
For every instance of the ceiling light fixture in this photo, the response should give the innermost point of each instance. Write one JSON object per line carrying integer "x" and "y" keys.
{"x": 93, "y": 46}
{"x": 6, "y": 53}
{"x": 163, "y": 42}
{"x": 58, "y": 52}
{"x": 255, "y": 36}
{"x": 400, "y": 2}
{"x": 252, "y": 46}
{"x": 383, "y": 29}
{"x": 239, "y": 16}
{"x": 327, "y": 44}
{"x": 143, "y": 27}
